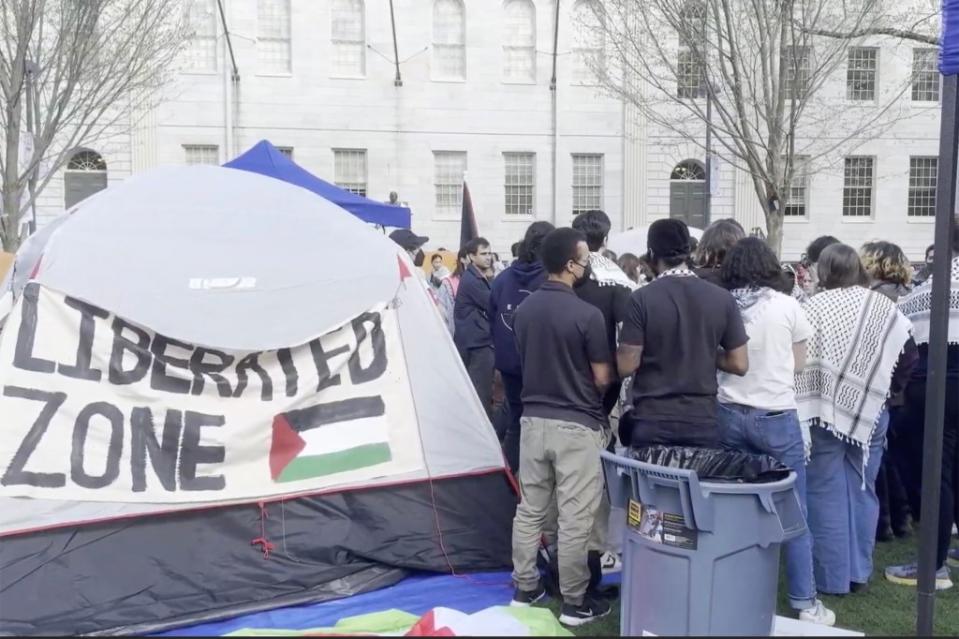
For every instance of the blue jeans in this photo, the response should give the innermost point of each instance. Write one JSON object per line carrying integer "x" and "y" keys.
{"x": 778, "y": 435}
{"x": 844, "y": 507}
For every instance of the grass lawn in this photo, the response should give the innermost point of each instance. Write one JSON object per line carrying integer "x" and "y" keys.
{"x": 884, "y": 609}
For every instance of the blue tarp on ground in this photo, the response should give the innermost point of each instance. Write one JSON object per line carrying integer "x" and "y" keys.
{"x": 416, "y": 595}
{"x": 266, "y": 159}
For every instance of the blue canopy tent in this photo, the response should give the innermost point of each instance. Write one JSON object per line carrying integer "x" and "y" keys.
{"x": 266, "y": 159}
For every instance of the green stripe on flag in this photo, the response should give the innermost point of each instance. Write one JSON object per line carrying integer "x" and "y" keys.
{"x": 308, "y": 466}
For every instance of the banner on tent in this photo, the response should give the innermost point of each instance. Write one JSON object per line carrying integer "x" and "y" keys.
{"x": 97, "y": 408}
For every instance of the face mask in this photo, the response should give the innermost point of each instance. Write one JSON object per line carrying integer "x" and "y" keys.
{"x": 587, "y": 272}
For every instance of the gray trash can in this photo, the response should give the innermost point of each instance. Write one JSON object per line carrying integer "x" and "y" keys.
{"x": 699, "y": 558}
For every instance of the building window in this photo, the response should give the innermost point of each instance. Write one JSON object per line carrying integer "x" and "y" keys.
{"x": 273, "y": 47}
{"x": 348, "y": 34}
{"x": 86, "y": 174}
{"x": 201, "y": 52}
{"x": 286, "y": 150}
{"x": 449, "y": 40}
{"x": 690, "y": 76}
{"x": 588, "y": 55}
{"x": 349, "y": 170}
{"x": 449, "y": 167}
{"x": 861, "y": 74}
{"x": 925, "y": 76}
{"x": 797, "y": 192}
{"x": 858, "y": 183}
{"x": 520, "y": 183}
{"x": 587, "y": 182}
{"x": 923, "y": 181}
{"x": 519, "y": 48}
{"x": 201, "y": 153}
{"x": 797, "y": 72}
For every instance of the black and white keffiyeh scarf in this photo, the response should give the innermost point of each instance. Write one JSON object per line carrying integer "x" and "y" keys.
{"x": 859, "y": 335}
{"x": 918, "y": 304}
{"x": 606, "y": 272}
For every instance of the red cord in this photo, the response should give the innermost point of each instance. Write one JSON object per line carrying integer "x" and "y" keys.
{"x": 266, "y": 544}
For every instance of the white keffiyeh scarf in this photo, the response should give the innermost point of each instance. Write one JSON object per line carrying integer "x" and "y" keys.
{"x": 851, "y": 357}
{"x": 606, "y": 272}
{"x": 918, "y": 304}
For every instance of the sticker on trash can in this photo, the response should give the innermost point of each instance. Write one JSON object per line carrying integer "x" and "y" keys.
{"x": 667, "y": 529}
{"x": 634, "y": 513}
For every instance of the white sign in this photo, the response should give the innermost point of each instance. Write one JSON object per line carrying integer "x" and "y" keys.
{"x": 96, "y": 408}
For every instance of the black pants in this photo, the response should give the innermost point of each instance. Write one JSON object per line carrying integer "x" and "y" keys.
{"x": 479, "y": 365}
{"x": 513, "y": 385}
{"x": 890, "y": 488}
{"x": 949, "y": 486}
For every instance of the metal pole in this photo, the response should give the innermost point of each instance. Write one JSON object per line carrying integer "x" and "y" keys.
{"x": 32, "y": 179}
{"x": 554, "y": 104}
{"x": 938, "y": 347}
{"x": 398, "y": 79}
{"x": 709, "y": 156}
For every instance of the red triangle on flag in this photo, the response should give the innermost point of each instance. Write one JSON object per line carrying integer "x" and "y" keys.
{"x": 286, "y": 445}
{"x": 404, "y": 269}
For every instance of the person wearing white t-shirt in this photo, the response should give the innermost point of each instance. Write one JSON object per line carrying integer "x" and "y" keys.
{"x": 757, "y": 412}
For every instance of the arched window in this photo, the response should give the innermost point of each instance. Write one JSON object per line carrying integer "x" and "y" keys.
{"x": 85, "y": 175}
{"x": 689, "y": 170}
{"x": 449, "y": 40}
{"x": 348, "y": 35}
{"x": 519, "y": 41}
{"x": 588, "y": 39}
{"x": 687, "y": 193}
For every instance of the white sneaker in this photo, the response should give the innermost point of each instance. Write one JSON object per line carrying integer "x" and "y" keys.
{"x": 610, "y": 563}
{"x": 818, "y": 614}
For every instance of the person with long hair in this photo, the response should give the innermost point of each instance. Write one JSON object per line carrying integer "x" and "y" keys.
{"x": 853, "y": 357}
{"x": 718, "y": 238}
{"x": 446, "y": 294}
{"x": 757, "y": 413}
{"x": 514, "y": 285}
{"x": 891, "y": 274}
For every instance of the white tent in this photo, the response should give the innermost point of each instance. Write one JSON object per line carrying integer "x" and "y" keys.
{"x": 202, "y": 337}
{"x": 634, "y": 240}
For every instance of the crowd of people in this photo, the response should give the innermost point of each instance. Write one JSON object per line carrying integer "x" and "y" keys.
{"x": 820, "y": 365}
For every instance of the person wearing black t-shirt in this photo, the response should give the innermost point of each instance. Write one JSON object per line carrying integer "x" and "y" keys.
{"x": 607, "y": 287}
{"x": 566, "y": 370}
{"x": 679, "y": 330}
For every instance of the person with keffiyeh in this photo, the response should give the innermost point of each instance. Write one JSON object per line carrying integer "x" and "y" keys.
{"x": 858, "y": 343}
{"x": 917, "y": 307}
{"x": 757, "y": 413}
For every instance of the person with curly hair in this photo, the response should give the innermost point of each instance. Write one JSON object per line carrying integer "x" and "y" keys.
{"x": 888, "y": 267}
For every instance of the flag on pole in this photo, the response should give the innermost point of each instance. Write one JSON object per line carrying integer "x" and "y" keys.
{"x": 468, "y": 230}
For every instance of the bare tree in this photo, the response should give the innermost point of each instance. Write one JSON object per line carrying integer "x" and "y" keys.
{"x": 71, "y": 73}
{"x": 757, "y": 70}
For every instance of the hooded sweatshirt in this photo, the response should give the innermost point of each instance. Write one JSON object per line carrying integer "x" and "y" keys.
{"x": 509, "y": 289}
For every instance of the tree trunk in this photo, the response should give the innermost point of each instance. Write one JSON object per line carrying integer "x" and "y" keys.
{"x": 774, "y": 231}
{"x": 11, "y": 219}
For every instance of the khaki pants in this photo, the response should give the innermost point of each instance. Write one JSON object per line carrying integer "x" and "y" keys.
{"x": 559, "y": 462}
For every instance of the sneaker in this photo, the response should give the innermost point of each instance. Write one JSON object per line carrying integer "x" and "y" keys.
{"x": 953, "y": 557}
{"x": 610, "y": 563}
{"x": 590, "y": 610}
{"x": 908, "y": 575}
{"x": 818, "y": 614}
{"x": 526, "y": 598}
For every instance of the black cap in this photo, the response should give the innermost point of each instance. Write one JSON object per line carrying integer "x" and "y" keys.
{"x": 407, "y": 239}
{"x": 668, "y": 238}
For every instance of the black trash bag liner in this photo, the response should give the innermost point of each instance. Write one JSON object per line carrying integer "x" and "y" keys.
{"x": 714, "y": 465}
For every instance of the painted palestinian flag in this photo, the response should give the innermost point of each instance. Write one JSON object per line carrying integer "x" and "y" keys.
{"x": 329, "y": 438}
{"x": 499, "y": 621}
